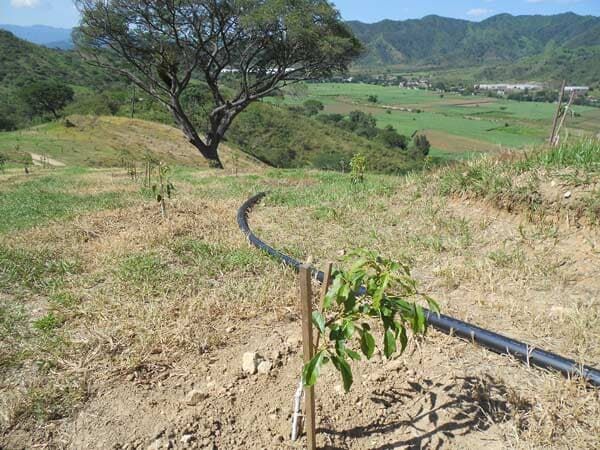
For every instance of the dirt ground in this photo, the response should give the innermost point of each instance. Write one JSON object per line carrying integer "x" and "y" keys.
{"x": 142, "y": 352}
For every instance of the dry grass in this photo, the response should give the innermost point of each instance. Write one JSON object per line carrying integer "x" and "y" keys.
{"x": 122, "y": 292}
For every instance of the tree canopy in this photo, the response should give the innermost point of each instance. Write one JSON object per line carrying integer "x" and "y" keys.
{"x": 46, "y": 97}
{"x": 262, "y": 44}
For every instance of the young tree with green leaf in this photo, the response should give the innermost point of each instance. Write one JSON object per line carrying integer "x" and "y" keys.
{"x": 375, "y": 293}
{"x": 264, "y": 44}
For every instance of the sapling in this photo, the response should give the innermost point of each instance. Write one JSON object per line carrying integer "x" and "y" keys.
{"x": 358, "y": 164}
{"x": 375, "y": 290}
{"x": 3, "y": 160}
{"x": 163, "y": 188}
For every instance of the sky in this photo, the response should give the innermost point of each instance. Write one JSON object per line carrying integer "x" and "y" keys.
{"x": 62, "y": 13}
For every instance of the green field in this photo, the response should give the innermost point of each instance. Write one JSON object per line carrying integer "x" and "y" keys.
{"x": 456, "y": 125}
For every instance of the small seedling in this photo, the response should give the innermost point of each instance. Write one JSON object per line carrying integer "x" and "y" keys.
{"x": 164, "y": 187}
{"x": 349, "y": 312}
{"x": 150, "y": 162}
{"x": 358, "y": 164}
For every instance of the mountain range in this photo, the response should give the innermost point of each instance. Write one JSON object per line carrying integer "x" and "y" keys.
{"x": 441, "y": 41}
{"x": 503, "y": 47}
{"x": 43, "y": 35}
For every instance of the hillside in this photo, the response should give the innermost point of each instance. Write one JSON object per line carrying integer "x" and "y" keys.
{"x": 109, "y": 311}
{"x": 289, "y": 139}
{"x": 109, "y": 141}
{"x": 22, "y": 62}
{"x": 445, "y": 42}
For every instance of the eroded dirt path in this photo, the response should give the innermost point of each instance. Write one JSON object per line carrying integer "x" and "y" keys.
{"x": 39, "y": 160}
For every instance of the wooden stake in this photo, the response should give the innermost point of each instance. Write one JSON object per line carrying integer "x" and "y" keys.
{"x": 562, "y": 120}
{"x": 556, "y": 116}
{"x": 307, "y": 341}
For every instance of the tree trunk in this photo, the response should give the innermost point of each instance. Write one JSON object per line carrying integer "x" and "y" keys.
{"x": 209, "y": 149}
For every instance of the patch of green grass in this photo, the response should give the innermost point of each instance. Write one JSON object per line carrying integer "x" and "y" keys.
{"x": 13, "y": 331}
{"x": 506, "y": 259}
{"x": 517, "y": 183}
{"x": 48, "y": 324}
{"x": 64, "y": 300}
{"x": 145, "y": 269}
{"x": 52, "y": 401}
{"x": 23, "y": 269}
{"x": 48, "y": 198}
{"x": 212, "y": 258}
{"x": 583, "y": 153}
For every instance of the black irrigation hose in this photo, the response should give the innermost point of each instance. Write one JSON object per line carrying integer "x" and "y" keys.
{"x": 485, "y": 338}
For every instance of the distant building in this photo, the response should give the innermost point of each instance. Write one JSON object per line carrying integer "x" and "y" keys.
{"x": 577, "y": 89}
{"x": 501, "y": 88}
{"x": 416, "y": 84}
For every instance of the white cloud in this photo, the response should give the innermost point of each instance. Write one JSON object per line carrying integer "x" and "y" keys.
{"x": 479, "y": 12}
{"x": 25, "y": 3}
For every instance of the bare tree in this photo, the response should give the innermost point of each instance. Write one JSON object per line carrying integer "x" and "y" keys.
{"x": 264, "y": 44}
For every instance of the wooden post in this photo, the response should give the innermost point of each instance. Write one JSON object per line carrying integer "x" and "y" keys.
{"x": 556, "y": 116}
{"x": 556, "y": 140}
{"x": 308, "y": 350}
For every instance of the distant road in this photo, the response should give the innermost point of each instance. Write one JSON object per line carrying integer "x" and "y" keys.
{"x": 38, "y": 160}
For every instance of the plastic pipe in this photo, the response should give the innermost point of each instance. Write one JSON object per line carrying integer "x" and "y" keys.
{"x": 492, "y": 341}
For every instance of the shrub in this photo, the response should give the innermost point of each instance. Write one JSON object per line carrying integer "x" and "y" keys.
{"x": 313, "y": 107}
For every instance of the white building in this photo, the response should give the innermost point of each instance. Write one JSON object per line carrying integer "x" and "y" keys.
{"x": 507, "y": 87}
{"x": 577, "y": 89}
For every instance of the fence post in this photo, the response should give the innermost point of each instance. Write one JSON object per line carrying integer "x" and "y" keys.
{"x": 308, "y": 350}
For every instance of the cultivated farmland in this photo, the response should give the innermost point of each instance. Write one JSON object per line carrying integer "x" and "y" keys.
{"x": 458, "y": 126}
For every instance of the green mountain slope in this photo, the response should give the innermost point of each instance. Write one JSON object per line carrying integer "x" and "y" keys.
{"x": 22, "y": 62}
{"x": 499, "y": 40}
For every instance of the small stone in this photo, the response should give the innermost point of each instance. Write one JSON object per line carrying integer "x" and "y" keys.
{"x": 230, "y": 330}
{"x": 250, "y": 363}
{"x": 156, "y": 445}
{"x": 194, "y": 397}
{"x": 339, "y": 389}
{"x": 568, "y": 194}
{"x": 187, "y": 438}
{"x": 265, "y": 367}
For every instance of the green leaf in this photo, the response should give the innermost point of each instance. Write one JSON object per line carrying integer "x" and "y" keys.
{"x": 340, "y": 348}
{"x": 311, "y": 371}
{"x": 367, "y": 344}
{"x": 318, "y": 321}
{"x": 348, "y": 329}
{"x": 333, "y": 292}
{"x": 380, "y": 291}
{"x": 389, "y": 344}
{"x": 403, "y": 339}
{"x": 344, "y": 368}
{"x": 421, "y": 319}
{"x": 433, "y": 305}
{"x": 353, "y": 355}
